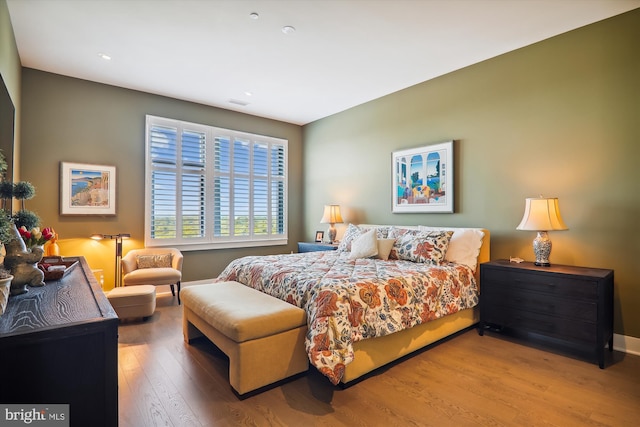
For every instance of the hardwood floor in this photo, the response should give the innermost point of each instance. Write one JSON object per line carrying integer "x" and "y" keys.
{"x": 467, "y": 381}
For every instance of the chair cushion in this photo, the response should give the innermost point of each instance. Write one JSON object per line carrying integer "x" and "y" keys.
{"x": 152, "y": 276}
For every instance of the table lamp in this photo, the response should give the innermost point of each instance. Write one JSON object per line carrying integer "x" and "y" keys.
{"x": 542, "y": 214}
{"x": 331, "y": 216}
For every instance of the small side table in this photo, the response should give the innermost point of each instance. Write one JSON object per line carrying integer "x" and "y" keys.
{"x": 315, "y": 247}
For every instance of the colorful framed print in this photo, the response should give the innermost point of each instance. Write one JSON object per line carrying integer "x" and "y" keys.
{"x": 423, "y": 179}
{"x": 87, "y": 189}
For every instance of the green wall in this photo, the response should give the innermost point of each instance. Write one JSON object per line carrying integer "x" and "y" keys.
{"x": 72, "y": 120}
{"x": 558, "y": 118}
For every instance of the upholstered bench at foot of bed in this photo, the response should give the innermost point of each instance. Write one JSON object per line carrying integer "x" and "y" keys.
{"x": 262, "y": 335}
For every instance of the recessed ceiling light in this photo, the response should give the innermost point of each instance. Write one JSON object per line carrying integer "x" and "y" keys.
{"x": 104, "y": 56}
{"x": 288, "y": 29}
{"x": 248, "y": 93}
{"x": 254, "y": 15}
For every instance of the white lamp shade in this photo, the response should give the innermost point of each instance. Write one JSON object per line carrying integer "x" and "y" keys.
{"x": 331, "y": 215}
{"x": 542, "y": 214}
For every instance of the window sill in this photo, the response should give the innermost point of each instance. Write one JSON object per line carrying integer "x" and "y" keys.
{"x": 186, "y": 247}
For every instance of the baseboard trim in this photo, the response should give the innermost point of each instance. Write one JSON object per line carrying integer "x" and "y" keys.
{"x": 626, "y": 344}
{"x": 196, "y": 282}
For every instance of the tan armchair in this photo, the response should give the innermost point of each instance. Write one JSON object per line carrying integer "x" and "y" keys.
{"x": 152, "y": 266}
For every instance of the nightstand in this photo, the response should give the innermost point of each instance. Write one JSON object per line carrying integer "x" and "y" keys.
{"x": 315, "y": 247}
{"x": 563, "y": 307}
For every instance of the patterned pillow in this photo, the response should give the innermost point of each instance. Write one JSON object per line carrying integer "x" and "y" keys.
{"x": 429, "y": 247}
{"x": 350, "y": 234}
{"x": 396, "y": 233}
{"x": 154, "y": 261}
{"x": 383, "y": 232}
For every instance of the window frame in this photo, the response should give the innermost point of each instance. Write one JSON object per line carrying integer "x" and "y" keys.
{"x": 208, "y": 239}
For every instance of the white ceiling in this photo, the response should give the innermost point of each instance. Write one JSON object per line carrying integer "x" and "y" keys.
{"x": 342, "y": 54}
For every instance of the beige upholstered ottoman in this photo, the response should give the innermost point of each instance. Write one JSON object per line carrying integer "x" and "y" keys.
{"x": 133, "y": 301}
{"x": 263, "y": 336}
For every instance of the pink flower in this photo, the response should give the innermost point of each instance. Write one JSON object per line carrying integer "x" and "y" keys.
{"x": 47, "y": 233}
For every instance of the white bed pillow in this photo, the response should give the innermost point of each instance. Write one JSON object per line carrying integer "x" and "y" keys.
{"x": 365, "y": 245}
{"x": 464, "y": 246}
{"x": 384, "y": 248}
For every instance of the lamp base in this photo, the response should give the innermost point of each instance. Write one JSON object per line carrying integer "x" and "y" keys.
{"x": 542, "y": 249}
{"x": 332, "y": 232}
{"x": 542, "y": 264}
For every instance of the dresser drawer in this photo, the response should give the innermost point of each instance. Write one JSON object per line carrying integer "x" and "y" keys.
{"x": 547, "y": 283}
{"x": 561, "y": 328}
{"x": 518, "y": 299}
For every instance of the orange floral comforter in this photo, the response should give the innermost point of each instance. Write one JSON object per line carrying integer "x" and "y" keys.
{"x": 350, "y": 300}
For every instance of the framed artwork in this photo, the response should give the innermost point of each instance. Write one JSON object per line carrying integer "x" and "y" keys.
{"x": 87, "y": 189}
{"x": 423, "y": 179}
{"x": 319, "y": 236}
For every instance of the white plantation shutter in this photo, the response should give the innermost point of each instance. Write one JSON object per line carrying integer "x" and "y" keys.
{"x": 211, "y": 187}
{"x": 193, "y": 184}
{"x": 222, "y": 190}
{"x": 163, "y": 148}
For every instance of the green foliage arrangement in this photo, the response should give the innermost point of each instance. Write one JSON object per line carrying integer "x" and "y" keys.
{"x": 27, "y": 219}
{"x": 21, "y": 191}
{"x": 5, "y": 227}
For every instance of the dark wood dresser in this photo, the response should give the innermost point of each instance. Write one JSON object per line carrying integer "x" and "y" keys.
{"x": 567, "y": 308}
{"x": 59, "y": 345}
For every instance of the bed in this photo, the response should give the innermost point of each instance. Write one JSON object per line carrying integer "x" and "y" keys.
{"x": 386, "y": 292}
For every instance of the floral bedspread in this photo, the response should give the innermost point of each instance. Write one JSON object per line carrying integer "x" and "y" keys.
{"x": 350, "y": 300}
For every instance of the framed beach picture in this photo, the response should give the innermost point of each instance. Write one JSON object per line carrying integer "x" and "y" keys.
{"x": 87, "y": 189}
{"x": 423, "y": 179}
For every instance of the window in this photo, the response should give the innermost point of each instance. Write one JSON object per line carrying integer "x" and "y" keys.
{"x": 208, "y": 187}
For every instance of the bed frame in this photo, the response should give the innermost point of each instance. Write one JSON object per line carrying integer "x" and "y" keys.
{"x": 374, "y": 353}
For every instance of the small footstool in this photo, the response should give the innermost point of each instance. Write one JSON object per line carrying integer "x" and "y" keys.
{"x": 133, "y": 301}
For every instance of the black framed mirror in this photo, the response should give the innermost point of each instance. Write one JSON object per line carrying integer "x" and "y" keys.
{"x": 7, "y": 127}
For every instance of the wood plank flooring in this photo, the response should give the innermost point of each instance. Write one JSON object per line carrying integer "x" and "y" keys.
{"x": 468, "y": 380}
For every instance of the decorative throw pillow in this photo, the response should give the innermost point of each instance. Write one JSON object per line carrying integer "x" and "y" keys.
{"x": 350, "y": 234}
{"x": 154, "y": 261}
{"x": 429, "y": 247}
{"x": 354, "y": 231}
{"x": 364, "y": 246}
{"x": 464, "y": 246}
{"x": 384, "y": 248}
{"x": 395, "y": 233}
{"x": 383, "y": 232}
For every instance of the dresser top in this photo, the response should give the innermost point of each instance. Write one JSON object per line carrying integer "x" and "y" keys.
{"x": 553, "y": 269}
{"x": 75, "y": 299}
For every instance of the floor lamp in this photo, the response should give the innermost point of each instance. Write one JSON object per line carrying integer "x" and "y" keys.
{"x": 118, "y": 238}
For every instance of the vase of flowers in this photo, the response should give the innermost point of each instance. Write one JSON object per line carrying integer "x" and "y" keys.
{"x": 35, "y": 237}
